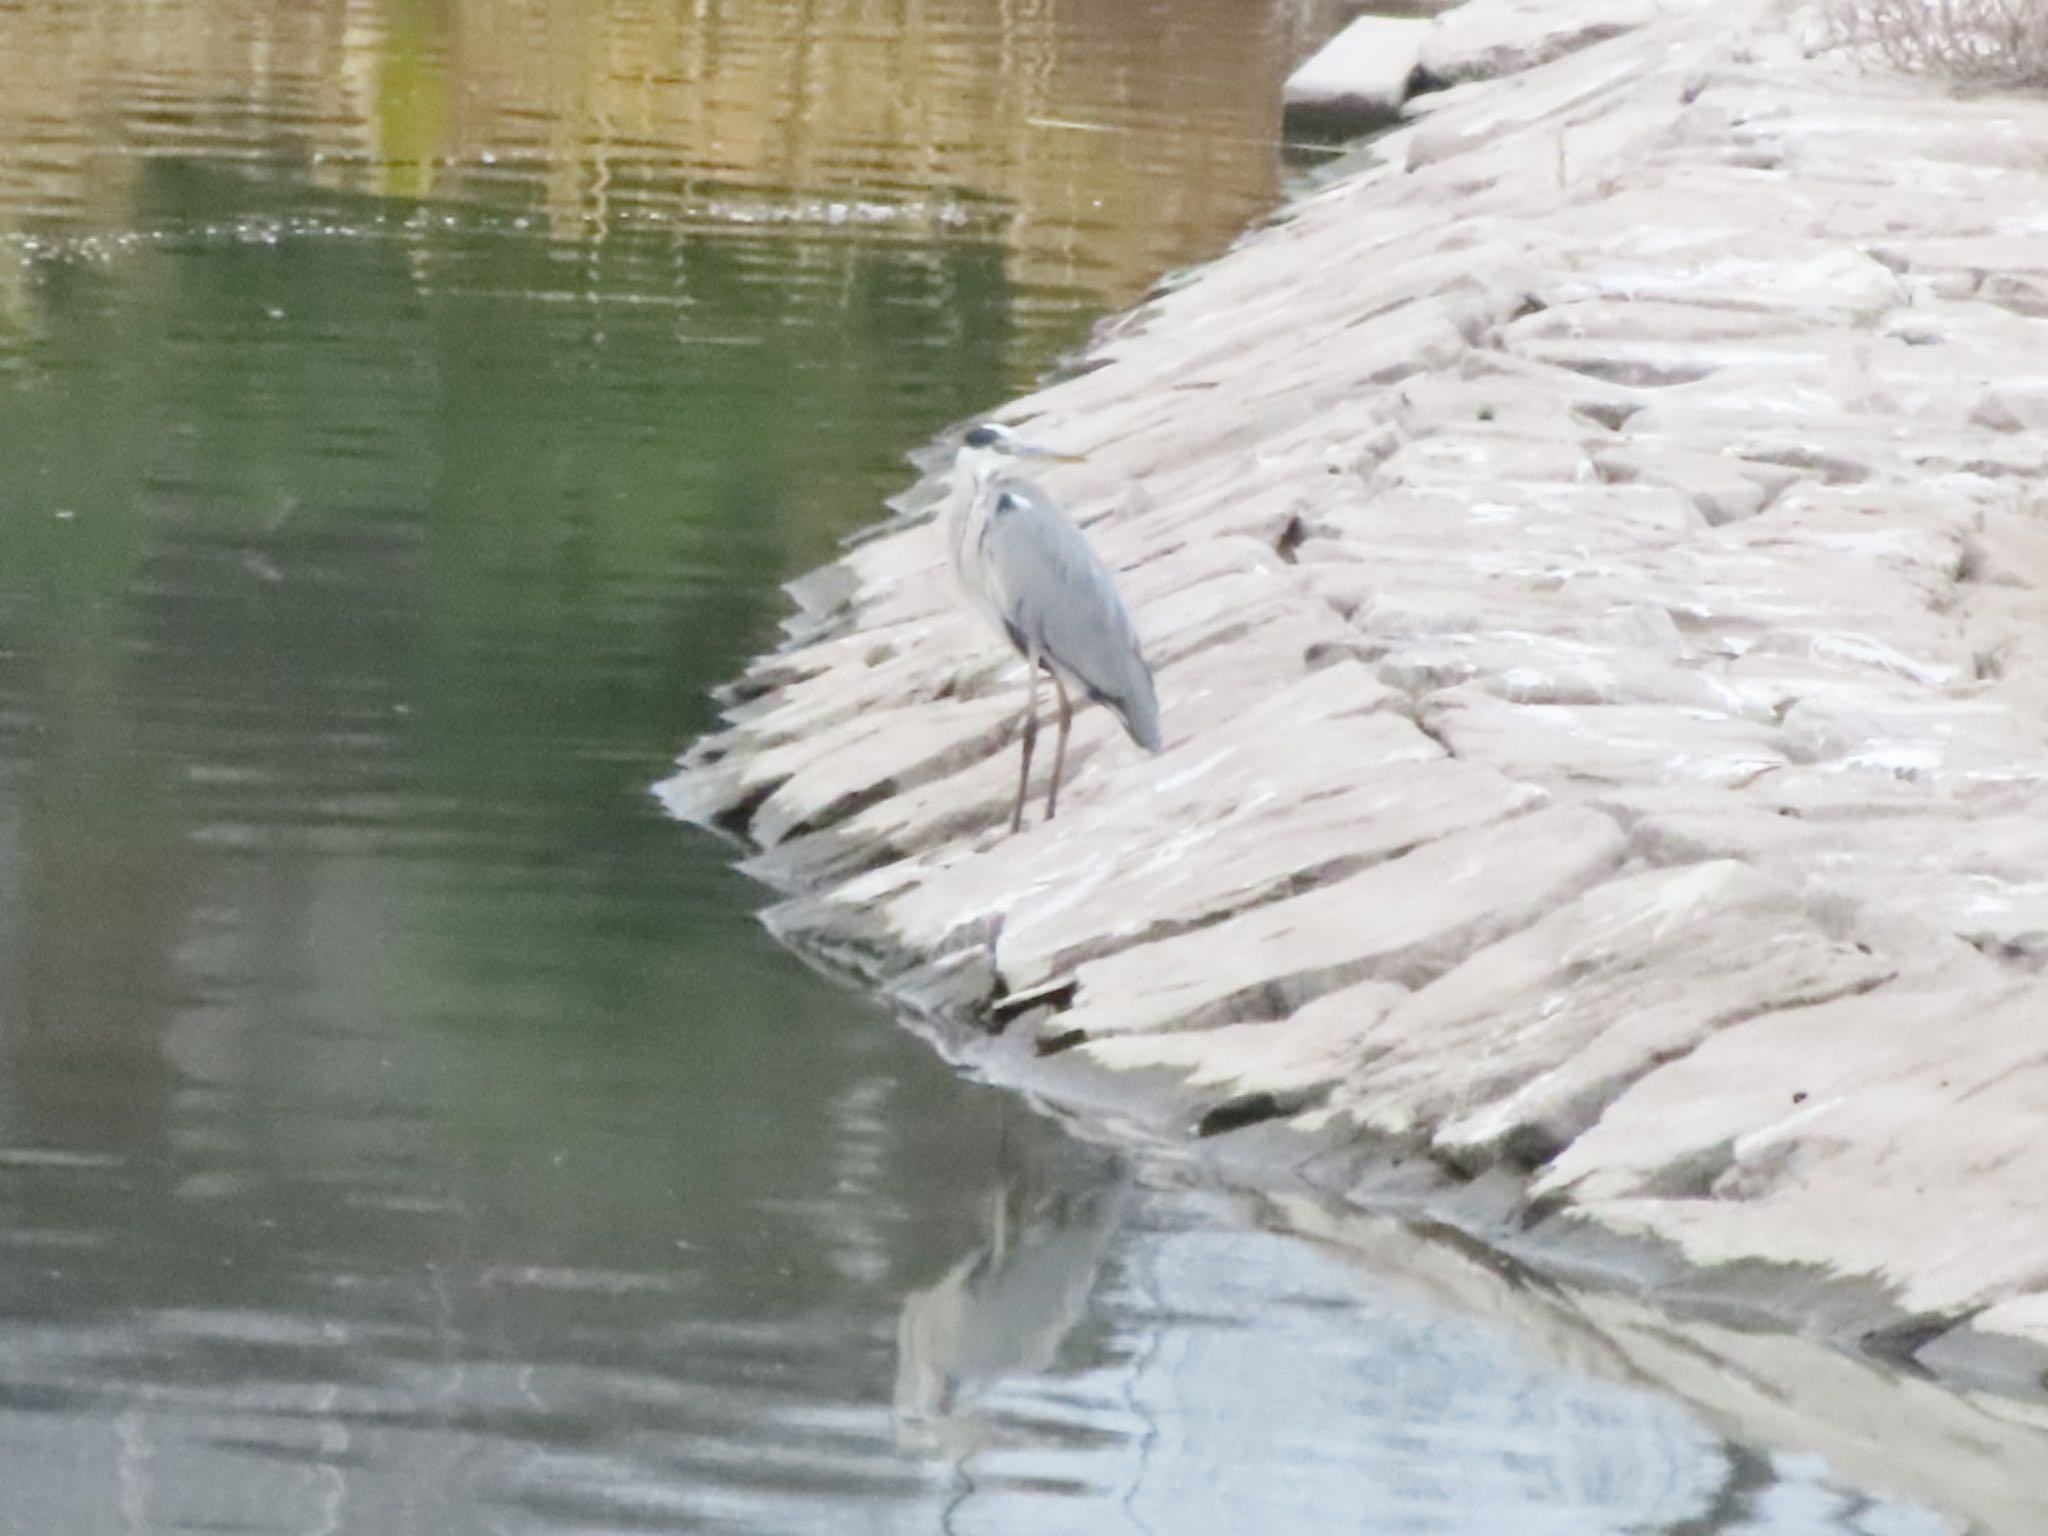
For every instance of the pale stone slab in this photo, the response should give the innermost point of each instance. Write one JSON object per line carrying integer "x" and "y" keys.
{"x": 1525, "y": 668}
{"x": 1770, "y": 272}
{"x": 1402, "y": 921}
{"x": 1605, "y": 744}
{"x": 1981, "y": 877}
{"x": 1817, "y": 1136}
{"x": 1288, "y": 834}
{"x": 1360, "y": 75}
{"x": 1518, "y": 1050}
{"x": 1721, "y": 490}
{"x": 1177, "y": 1076}
{"x": 951, "y": 868}
{"x": 879, "y": 754}
{"x": 1076, "y": 885}
{"x": 2024, "y": 1317}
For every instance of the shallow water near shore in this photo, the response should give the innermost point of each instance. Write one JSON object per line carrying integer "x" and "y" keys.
{"x": 407, "y": 413}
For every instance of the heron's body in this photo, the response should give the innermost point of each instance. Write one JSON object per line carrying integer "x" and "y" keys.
{"x": 1039, "y": 583}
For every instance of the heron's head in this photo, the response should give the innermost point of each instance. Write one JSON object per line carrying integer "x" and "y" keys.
{"x": 987, "y": 446}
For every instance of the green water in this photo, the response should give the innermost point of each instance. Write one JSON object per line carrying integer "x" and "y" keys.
{"x": 407, "y": 414}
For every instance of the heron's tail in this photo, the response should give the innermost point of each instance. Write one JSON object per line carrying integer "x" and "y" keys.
{"x": 1138, "y": 708}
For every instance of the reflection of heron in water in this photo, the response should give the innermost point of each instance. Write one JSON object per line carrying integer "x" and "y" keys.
{"x": 1006, "y": 1308}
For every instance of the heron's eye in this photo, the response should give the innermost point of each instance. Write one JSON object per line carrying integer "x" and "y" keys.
{"x": 982, "y": 437}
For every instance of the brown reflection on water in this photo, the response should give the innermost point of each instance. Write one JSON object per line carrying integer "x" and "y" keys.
{"x": 1102, "y": 140}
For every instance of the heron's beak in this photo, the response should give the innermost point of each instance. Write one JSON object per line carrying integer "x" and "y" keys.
{"x": 1032, "y": 450}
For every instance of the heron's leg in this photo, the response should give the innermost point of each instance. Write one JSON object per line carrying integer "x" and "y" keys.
{"x": 1059, "y": 751}
{"x": 1030, "y": 741}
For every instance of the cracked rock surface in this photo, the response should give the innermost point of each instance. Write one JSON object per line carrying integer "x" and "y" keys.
{"x": 1595, "y": 559}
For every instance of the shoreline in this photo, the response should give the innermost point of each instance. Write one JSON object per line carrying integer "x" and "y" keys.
{"x": 1594, "y": 567}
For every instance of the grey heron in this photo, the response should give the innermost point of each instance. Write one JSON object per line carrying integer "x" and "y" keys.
{"x": 1032, "y": 573}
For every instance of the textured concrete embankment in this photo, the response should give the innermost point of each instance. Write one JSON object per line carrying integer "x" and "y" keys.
{"x": 1595, "y": 557}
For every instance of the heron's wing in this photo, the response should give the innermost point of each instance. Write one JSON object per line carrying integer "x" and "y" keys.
{"x": 1058, "y": 601}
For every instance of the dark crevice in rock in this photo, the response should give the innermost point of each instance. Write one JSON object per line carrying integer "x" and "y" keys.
{"x": 735, "y": 818}
{"x": 1422, "y": 83}
{"x": 1971, "y": 562}
{"x": 1539, "y": 1210}
{"x": 1453, "y": 1167}
{"x": 2013, "y": 954}
{"x": 1614, "y": 415}
{"x": 2015, "y": 298}
{"x": 820, "y": 860}
{"x": 1271, "y": 999}
{"x": 1252, "y": 1108}
{"x": 1899, "y": 1344}
{"x": 1327, "y": 653}
{"x": 2000, "y": 469}
{"x": 1529, "y": 1148}
{"x": 1832, "y": 469}
{"x": 1230, "y": 634}
{"x": 844, "y": 808}
{"x": 1690, "y": 1177}
{"x": 1429, "y": 727}
{"x": 1636, "y": 372}
{"x": 1065, "y": 1040}
{"x": 1053, "y": 997}
{"x": 755, "y": 683}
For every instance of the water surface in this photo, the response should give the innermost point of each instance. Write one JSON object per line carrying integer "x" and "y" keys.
{"x": 407, "y": 411}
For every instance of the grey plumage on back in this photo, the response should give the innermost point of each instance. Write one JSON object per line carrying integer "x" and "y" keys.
{"x": 1060, "y": 604}
{"x": 1034, "y": 575}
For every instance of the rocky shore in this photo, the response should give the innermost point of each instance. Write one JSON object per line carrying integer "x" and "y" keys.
{"x": 1595, "y": 558}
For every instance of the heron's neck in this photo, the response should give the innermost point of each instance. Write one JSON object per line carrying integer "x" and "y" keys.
{"x": 981, "y": 465}
{"x": 962, "y": 494}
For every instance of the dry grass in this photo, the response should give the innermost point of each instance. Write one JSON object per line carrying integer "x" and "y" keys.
{"x": 1973, "y": 42}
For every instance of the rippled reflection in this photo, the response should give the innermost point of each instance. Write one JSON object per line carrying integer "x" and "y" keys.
{"x": 1007, "y": 1308}
{"x": 1089, "y": 144}
{"x": 1136, "y": 1351}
